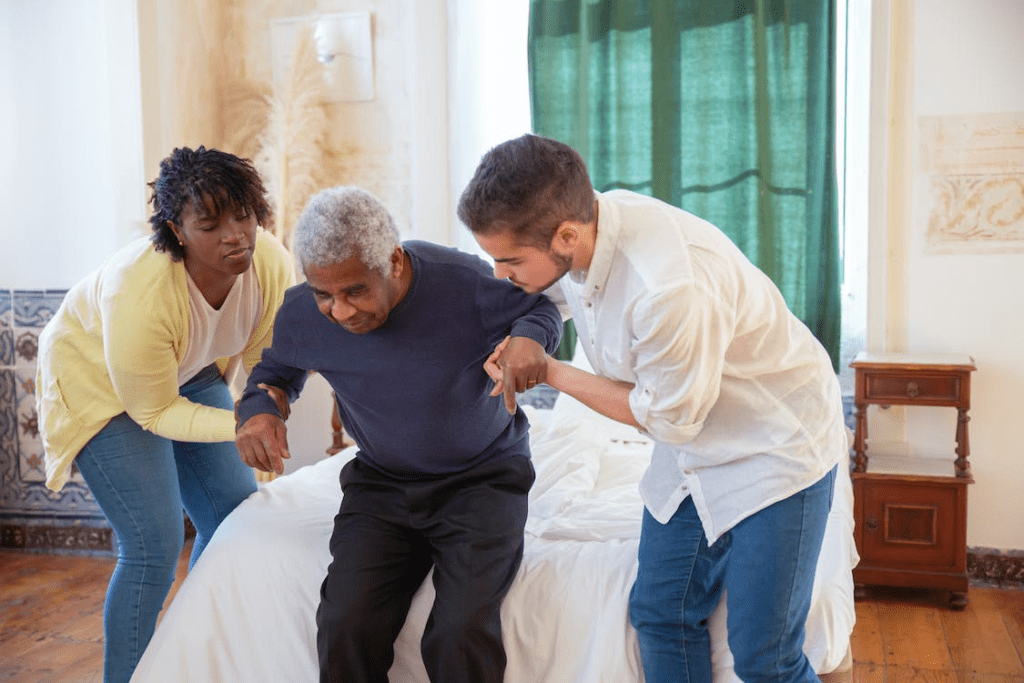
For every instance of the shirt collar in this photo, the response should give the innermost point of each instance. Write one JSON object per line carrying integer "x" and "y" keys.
{"x": 605, "y": 245}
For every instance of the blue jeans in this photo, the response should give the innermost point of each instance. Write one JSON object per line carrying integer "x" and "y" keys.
{"x": 767, "y": 561}
{"x": 142, "y": 482}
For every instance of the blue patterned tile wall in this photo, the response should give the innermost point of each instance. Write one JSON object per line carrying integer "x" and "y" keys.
{"x": 849, "y": 411}
{"x": 32, "y": 517}
{"x": 6, "y": 333}
{"x": 541, "y": 397}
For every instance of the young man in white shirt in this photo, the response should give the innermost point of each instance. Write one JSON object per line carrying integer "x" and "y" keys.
{"x": 695, "y": 346}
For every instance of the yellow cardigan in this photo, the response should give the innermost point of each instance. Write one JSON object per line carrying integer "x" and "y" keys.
{"x": 115, "y": 345}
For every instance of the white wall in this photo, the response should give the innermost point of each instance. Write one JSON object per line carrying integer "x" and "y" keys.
{"x": 464, "y": 78}
{"x": 71, "y": 183}
{"x": 73, "y": 150}
{"x": 961, "y": 59}
{"x": 413, "y": 75}
{"x": 489, "y": 90}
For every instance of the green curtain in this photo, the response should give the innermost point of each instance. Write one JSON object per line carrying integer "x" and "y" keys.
{"x": 566, "y": 347}
{"x": 722, "y": 107}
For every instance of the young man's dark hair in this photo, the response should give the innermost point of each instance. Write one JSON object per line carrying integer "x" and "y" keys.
{"x": 527, "y": 187}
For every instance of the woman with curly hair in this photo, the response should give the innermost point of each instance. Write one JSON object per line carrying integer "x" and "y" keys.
{"x": 131, "y": 384}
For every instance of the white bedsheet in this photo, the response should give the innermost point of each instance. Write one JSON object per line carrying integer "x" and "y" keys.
{"x": 246, "y": 612}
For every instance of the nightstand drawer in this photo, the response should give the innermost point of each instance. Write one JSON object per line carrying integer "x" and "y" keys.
{"x": 917, "y": 388}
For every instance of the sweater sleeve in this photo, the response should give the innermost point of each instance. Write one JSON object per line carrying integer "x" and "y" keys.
{"x": 507, "y": 310}
{"x": 140, "y": 335}
{"x": 277, "y": 367}
{"x": 276, "y": 274}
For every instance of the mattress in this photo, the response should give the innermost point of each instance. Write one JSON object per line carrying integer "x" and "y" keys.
{"x": 246, "y": 612}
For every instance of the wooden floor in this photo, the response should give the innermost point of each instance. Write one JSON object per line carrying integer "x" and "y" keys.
{"x": 51, "y": 616}
{"x": 51, "y": 611}
{"x": 907, "y": 635}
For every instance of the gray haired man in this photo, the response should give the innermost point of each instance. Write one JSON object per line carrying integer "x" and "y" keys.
{"x": 401, "y": 332}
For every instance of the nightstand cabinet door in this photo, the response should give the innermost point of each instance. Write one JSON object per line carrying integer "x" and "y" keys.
{"x": 911, "y": 530}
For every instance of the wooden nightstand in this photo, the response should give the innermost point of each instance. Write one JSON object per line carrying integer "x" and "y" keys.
{"x": 911, "y": 513}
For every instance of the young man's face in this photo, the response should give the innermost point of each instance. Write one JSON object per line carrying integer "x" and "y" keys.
{"x": 530, "y": 268}
{"x": 354, "y": 296}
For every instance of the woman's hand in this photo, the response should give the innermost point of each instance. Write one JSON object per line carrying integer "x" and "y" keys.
{"x": 262, "y": 443}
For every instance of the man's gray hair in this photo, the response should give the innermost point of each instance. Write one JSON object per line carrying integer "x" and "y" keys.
{"x": 341, "y": 222}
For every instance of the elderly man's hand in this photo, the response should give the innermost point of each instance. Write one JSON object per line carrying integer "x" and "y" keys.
{"x": 493, "y": 370}
{"x": 262, "y": 442}
{"x": 517, "y": 364}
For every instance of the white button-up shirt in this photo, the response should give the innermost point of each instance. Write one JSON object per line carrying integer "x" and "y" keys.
{"x": 739, "y": 397}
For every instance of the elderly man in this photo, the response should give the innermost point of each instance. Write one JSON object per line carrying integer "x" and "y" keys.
{"x": 401, "y": 332}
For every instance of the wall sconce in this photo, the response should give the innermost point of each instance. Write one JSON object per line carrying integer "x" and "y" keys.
{"x": 344, "y": 48}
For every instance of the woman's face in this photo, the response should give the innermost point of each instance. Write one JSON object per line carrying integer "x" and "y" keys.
{"x": 218, "y": 247}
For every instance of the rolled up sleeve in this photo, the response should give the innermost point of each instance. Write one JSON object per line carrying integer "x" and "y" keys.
{"x": 680, "y": 337}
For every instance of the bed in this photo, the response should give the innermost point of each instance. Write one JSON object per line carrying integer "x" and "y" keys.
{"x": 246, "y": 611}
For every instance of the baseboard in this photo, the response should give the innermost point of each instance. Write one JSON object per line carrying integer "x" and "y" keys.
{"x": 77, "y": 539}
{"x": 996, "y": 568}
{"x": 69, "y": 539}
{"x": 985, "y": 566}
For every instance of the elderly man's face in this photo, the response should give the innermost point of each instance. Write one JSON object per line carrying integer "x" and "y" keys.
{"x": 354, "y": 296}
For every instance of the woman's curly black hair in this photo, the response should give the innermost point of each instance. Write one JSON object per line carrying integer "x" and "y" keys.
{"x": 210, "y": 179}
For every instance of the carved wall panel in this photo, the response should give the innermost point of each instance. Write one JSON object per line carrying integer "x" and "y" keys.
{"x": 975, "y": 167}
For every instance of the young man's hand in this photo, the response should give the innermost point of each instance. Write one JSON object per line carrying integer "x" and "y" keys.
{"x": 262, "y": 442}
{"x": 280, "y": 398}
{"x": 517, "y": 364}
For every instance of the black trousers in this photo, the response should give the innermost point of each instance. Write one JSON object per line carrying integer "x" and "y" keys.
{"x": 387, "y": 535}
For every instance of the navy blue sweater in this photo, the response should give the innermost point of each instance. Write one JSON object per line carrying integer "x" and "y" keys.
{"x": 413, "y": 393}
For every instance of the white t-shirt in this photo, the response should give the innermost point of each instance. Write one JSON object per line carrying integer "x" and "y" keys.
{"x": 220, "y": 333}
{"x": 738, "y": 395}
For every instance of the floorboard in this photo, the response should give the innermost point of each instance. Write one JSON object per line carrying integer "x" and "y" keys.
{"x": 51, "y": 608}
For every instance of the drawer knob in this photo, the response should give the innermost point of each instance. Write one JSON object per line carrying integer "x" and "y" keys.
{"x": 912, "y": 389}
{"x": 871, "y": 525}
